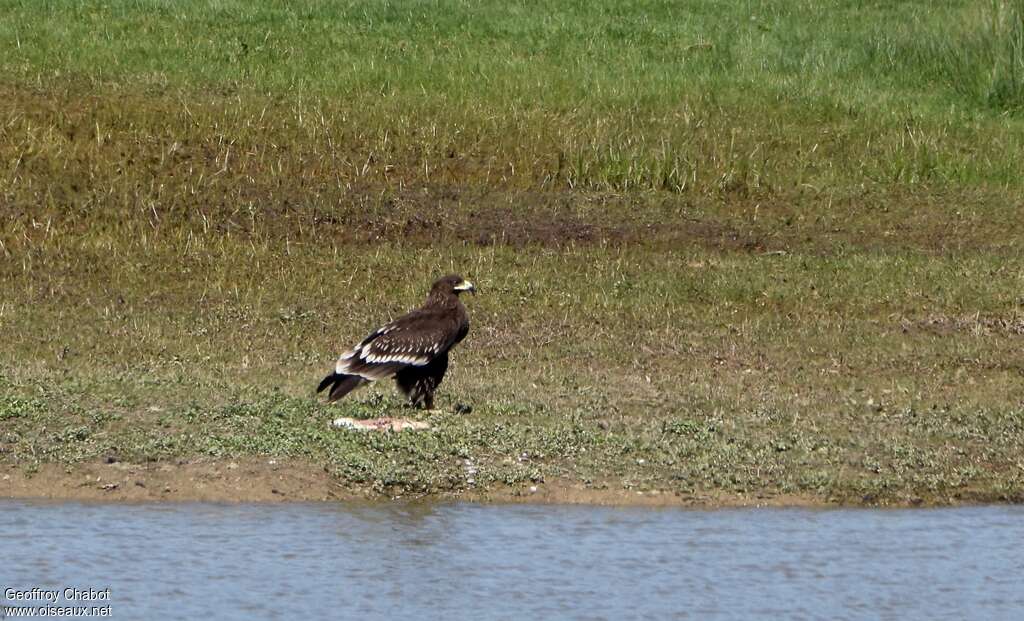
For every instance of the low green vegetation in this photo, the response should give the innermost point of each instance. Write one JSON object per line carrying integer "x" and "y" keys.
{"x": 743, "y": 248}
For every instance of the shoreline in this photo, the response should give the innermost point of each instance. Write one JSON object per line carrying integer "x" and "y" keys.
{"x": 280, "y": 481}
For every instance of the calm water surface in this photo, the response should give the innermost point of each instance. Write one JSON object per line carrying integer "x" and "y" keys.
{"x": 466, "y": 561}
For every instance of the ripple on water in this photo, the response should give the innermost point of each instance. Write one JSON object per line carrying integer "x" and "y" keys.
{"x": 239, "y": 561}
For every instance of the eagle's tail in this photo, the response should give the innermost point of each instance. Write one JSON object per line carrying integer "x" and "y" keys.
{"x": 341, "y": 384}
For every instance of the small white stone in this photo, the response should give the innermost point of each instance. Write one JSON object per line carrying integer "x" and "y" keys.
{"x": 533, "y": 489}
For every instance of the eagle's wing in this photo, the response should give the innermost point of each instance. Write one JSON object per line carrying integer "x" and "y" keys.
{"x": 412, "y": 340}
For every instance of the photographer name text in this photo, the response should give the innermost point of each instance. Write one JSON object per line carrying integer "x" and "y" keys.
{"x": 52, "y": 596}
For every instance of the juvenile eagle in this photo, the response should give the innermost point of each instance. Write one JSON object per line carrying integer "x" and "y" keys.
{"x": 412, "y": 349}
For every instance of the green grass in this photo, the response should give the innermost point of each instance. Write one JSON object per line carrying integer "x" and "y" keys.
{"x": 601, "y": 56}
{"x": 745, "y": 247}
{"x": 704, "y": 96}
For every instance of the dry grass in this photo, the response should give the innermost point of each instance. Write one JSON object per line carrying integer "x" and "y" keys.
{"x": 683, "y": 370}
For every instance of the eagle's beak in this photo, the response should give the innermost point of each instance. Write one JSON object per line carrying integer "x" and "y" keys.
{"x": 465, "y": 285}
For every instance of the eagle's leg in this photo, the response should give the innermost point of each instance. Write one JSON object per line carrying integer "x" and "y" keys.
{"x": 419, "y": 383}
{"x": 418, "y": 389}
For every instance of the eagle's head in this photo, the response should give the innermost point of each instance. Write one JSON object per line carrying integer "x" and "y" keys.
{"x": 452, "y": 284}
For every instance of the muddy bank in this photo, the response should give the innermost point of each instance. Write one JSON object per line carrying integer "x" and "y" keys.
{"x": 269, "y": 480}
{"x": 252, "y": 480}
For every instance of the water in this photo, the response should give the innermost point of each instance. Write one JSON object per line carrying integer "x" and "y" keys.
{"x": 466, "y": 561}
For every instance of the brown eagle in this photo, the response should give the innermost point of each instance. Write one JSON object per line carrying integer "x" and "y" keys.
{"x": 412, "y": 349}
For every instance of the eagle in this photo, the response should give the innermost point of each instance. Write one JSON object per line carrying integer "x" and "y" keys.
{"x": 413, "y": 349}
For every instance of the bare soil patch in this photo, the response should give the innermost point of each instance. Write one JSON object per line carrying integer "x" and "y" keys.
{"x": 248, "y": 480}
